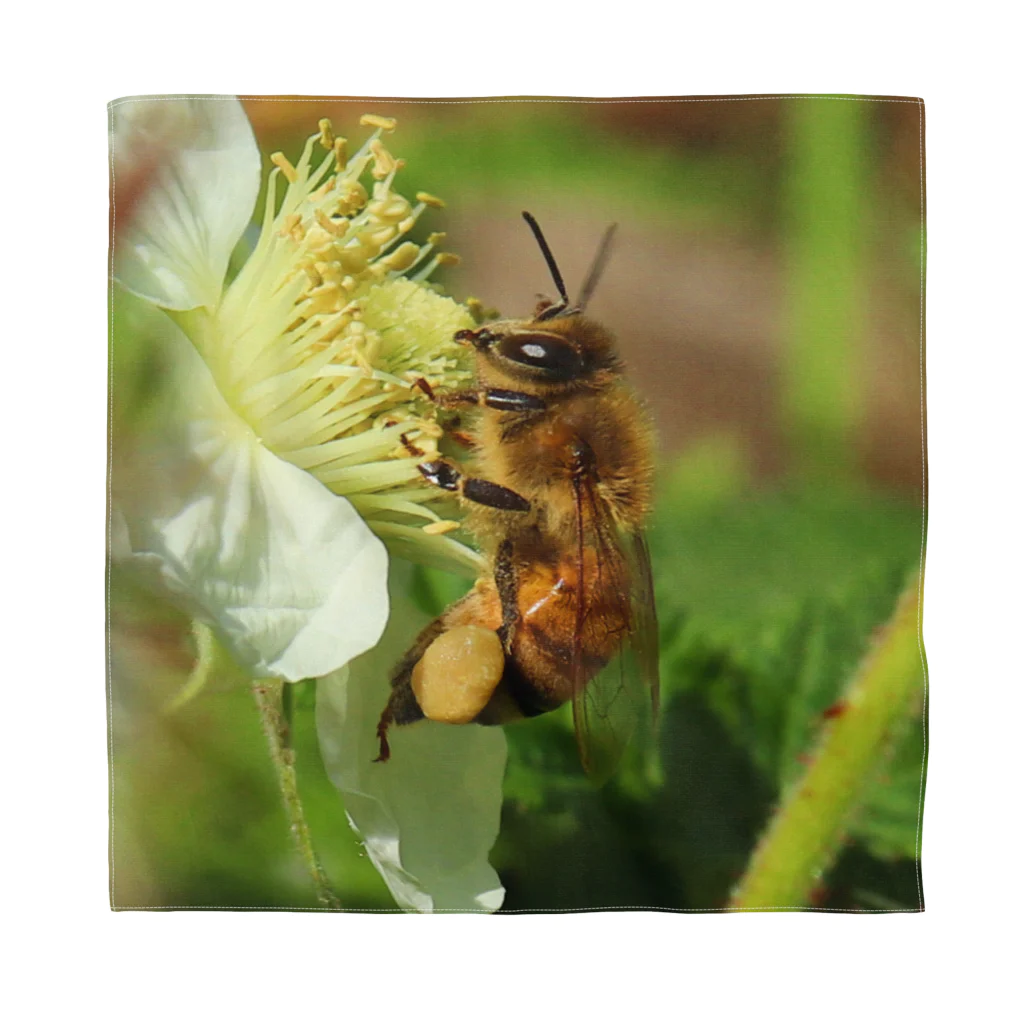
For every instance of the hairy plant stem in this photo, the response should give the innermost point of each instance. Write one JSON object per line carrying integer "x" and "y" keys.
{"x": 807, "y": 831}
{"x": 274, "y": 709}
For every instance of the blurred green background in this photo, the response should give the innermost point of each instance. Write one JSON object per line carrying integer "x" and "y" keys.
{"x": 765, "y": 287}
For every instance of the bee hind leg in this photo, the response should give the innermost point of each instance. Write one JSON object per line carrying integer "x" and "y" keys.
{"x": 401, "y": 709}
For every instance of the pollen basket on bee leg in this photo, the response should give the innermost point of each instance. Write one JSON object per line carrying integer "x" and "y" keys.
{"x": 458, "y": 674}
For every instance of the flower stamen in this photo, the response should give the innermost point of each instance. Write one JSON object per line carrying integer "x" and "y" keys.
{"x": 329, "y": 322}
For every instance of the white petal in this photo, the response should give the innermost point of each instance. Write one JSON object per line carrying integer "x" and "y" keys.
{"x": 186, "y": 173}
{"x": 286, "y": 571}
{"x": 430, "y": 815}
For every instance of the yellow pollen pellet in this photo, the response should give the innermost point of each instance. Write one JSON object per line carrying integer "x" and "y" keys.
{"x": 386, "y": 124}
{"x": 287, "y": 168}
{"x": 444, "y": 526}
{"x": 326, "y": 133}
{"x": 458, "y": 673}
{"x": 428, "y": 200}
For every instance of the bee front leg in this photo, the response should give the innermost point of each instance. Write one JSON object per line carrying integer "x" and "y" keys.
{"x": 500, "y": 399}
{"x": 448, "y": 477}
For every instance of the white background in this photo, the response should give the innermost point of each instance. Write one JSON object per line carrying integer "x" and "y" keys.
{"x": 71, "y": 955}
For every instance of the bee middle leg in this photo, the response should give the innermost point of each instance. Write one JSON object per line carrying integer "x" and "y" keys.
{"x": 448, "y": 477}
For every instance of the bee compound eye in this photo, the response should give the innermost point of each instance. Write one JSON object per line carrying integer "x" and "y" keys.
{"x": 551, "y": 354}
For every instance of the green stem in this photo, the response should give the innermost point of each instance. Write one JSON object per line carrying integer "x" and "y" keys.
{"x": 808, "y": 829}
{"x": 269, "y": 695}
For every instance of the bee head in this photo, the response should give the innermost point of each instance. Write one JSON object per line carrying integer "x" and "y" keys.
{"x": 559, "y": 344}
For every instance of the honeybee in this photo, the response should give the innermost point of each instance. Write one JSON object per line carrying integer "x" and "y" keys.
{"x": 557, "y": 493}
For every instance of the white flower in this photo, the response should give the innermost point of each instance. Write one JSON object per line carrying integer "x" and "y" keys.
{"x": 430, "y": 815}
{"x": 294, "y": 444}
{"x": 311, "y": 353}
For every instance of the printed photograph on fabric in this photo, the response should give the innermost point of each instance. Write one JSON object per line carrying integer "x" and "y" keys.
{"x": 517, "y": 505}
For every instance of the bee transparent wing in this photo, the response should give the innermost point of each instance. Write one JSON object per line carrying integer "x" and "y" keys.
{"x": 617, "y": 704}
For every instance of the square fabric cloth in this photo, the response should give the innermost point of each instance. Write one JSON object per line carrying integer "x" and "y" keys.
{"x": 517, "y": 505}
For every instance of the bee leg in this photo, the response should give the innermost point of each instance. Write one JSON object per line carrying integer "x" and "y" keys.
{"x": 505, "y": 579}
{"x": 402, "y": 707}
{"x": 494, "y": 398}
{"x": 446, "y": 475}
{"x": 383, "y": 747}
{"x": 409, "y": 446}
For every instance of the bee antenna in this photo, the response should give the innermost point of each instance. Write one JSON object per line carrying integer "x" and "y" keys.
{"x": 597, "y": 267}
{"x": 556, "y": 274}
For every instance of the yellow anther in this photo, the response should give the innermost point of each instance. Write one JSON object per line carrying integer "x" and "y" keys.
{"x": 336, "y": 228}
{"x": 448, "y": 259}
{"x": 340, "y": 153}
{"x": 402, "y": 258}
{"x": 337, "y": 326}
{"x": 290, "y": 223}
{"x": 386, "y": 124}
{"x": 326, "y": 133}
{"x": 380, "y": 237}
{"x": 287, "y": 169}
{"x": 389, "y": 210}
{"x": 352, "y": 198}
{"x": 442, "y": 526}
{"x": 428, "y": 200}
{"x": 476, "y": 309}
{"x": 383, "y": 161}
{"x": 436, "y": 238}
